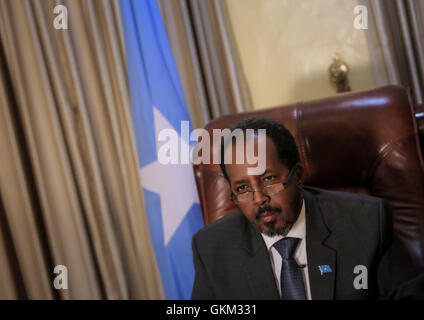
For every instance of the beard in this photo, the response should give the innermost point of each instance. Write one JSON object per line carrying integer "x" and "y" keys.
{"x": 272, "y": 230}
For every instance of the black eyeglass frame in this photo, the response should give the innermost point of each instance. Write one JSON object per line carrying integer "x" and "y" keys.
{"x": 284, "y": 183}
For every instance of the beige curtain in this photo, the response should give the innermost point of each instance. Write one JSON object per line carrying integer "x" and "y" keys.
{"x": 396, "y": 42}
{"x": 207, "y": 59}
{"x": 70, "y": 193}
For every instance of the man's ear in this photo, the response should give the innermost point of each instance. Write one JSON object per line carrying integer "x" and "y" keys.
{"x": 299, "y": 174}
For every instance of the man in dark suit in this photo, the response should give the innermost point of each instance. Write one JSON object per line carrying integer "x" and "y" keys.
{"x": 292, "y": 242}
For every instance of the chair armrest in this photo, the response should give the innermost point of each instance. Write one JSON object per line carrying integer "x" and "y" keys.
{"x": 419, "y": 115}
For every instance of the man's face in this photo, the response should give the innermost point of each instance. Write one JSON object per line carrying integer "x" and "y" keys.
{"x": 269, "y": 214}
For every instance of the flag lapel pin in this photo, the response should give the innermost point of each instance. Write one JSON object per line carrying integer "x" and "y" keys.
{"x": 325, "y": 269}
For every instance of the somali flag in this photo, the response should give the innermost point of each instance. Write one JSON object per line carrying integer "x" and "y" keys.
{"x": 158, "y": 104}
{"x": 325, "y": 269}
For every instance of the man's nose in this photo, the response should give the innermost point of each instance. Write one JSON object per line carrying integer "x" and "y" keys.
{"x": 260, "y": 198}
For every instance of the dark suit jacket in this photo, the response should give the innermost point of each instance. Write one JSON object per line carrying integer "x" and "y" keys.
{"x": 343, "y": 230}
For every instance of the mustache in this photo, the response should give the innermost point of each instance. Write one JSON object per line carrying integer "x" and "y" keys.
{"x": 267, "y": 208}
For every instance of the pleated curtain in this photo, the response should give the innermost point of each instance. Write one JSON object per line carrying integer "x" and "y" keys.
{"x": 395, "y": 37}
{"x": 70, "y": 193}
{"x": 207, "y": 58}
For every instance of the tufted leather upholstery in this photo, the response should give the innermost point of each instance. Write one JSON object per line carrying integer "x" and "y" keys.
{"x": 364, "y": 142}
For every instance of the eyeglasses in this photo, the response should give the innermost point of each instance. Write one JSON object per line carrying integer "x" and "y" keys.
{"x": 269, "y": 190}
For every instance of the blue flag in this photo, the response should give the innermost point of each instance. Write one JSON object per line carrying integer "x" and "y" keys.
{"x": 325, "y": 269}
{"x": 162, "y": 125}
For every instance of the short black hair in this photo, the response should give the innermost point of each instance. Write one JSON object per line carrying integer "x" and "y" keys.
{"x": 280, "y": 135}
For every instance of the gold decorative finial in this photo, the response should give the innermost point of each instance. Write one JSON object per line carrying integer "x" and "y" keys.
{"x": 338, "y": 74}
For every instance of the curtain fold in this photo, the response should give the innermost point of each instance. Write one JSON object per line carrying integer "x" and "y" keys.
{"x": 395, "y": 38}
{"x": 69, "y": 175}
{"x": 206, "y": 55}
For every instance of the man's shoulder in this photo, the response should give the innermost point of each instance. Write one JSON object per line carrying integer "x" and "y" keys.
{"x": 341, "y": 198}
{"x": 350, "y": 209}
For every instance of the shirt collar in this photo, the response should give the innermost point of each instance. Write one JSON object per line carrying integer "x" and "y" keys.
{"x": 298, "y": 230}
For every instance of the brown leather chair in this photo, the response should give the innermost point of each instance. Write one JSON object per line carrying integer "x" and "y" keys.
{"x": 364, "y": 142}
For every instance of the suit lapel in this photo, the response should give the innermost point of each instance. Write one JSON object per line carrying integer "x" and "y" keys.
{"x": 258, "y": 268}
{"x": 318, "y": 253}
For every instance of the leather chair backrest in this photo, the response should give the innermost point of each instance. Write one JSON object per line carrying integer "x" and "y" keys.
{"x": 363, "y": 142}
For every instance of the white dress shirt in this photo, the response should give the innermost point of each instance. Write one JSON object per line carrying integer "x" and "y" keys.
{"x": 298, "y": 230}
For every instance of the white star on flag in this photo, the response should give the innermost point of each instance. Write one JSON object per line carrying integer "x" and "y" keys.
{"x": 174, "y": 183}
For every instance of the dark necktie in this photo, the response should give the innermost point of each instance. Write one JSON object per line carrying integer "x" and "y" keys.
{"x": 291, "y": 281}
